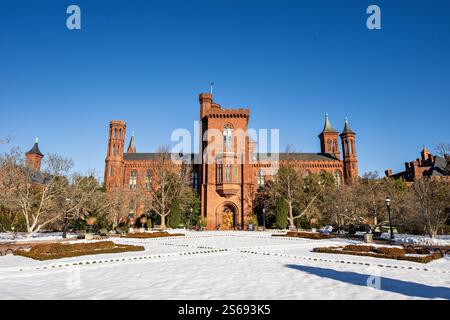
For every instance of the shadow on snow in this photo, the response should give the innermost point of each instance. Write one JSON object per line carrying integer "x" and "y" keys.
{"x": 387, "y": 284}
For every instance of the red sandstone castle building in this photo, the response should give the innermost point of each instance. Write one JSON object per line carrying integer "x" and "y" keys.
{"x": 227, "y": 178}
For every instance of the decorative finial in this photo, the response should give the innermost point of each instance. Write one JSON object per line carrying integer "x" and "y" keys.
{"x": 132, "y": 133}
{"x": 36, "y": 140}
{"x": 212, "y": 84}
{"x": 326, "y": 115}
{"x": 346, "y": 120}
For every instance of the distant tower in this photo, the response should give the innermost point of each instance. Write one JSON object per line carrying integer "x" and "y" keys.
{"x": 114, "y": 163}
{"x": 34, "y": 157}
{"x": 132, "y": 145}
{"x": 329, "y": 140}
{"x": 350, "y": 157}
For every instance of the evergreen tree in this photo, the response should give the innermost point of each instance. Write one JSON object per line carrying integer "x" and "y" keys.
{"x": 176, "y": 216}
{"x": 281, "y": 210}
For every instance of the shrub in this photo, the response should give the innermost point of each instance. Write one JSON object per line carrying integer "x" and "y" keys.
{"x": 358, "y": 248}
{"x": 49, "y": 251}
{"x": 388, "y": 253}
{"x": 152, "y": 235}
{"x": 307, "y": 235}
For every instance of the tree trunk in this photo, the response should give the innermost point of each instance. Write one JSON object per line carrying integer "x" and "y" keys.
{"x": 163, "y": 221}
{"x": 291, "y": 215}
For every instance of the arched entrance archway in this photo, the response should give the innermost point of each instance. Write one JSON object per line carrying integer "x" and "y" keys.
{"x": 226, "y": 216}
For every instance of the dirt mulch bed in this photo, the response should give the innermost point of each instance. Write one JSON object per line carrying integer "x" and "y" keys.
{"x": 58, "y": 250}
{"x": 421, "y": 256}
{"x": 304, "y": 235}
{"x": 151, "y": 235}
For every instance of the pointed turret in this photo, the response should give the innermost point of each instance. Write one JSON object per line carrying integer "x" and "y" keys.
{"x": 347, "y": 128}
{"x": 132, "y": 145}
{"x": 329, "y": 139}
{"x": 34, "y": 156}
{"x": 328, "y": 127}
{"x": 348, "y": 138}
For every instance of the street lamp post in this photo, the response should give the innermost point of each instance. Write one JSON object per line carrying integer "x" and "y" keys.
{"x": 388, "y": 205}
{"x": 264, "y": 218}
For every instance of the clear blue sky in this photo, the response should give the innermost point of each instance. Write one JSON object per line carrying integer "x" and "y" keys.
{"x": 289, "y": 61}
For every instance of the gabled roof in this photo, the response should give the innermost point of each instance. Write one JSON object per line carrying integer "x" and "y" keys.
{"x": 132, "y": 145}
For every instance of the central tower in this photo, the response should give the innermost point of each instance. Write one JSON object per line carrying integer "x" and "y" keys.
{"x": 225, "y": 165}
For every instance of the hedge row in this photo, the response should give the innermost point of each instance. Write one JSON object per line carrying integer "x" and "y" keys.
{"x": 305, "y": 235}
{"x": 152, "y": 235}
{"x": 58, "y": 250}
{"x": 382, "y": 252}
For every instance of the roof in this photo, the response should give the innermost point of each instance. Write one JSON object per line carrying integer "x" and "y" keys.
{"x": 150, "y": 156}
{"x": 441, "y": 167}
{"x": 347, "y": 129}
{"x": 132, "y": 146}
{"x": 261, "y": 156}
{"x": 35, "y": 150}
{"x": 301, "y": 156}
{"x": 328, "y": 127}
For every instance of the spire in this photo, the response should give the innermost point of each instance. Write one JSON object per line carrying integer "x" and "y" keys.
{"x": 132, "y": 145}
{"x": 328, "y": 127}
{"x": 347, "y": 127}
{"x": 35, "y": 149}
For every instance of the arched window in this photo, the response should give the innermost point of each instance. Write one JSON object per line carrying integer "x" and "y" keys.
{"x": 148, "y": 180}
{"x": 115, "y": 133}
{"x": 120, "y": 134}
{"x": 219, "y": 173}
{"x": 236, "y": 174}
{"x": 261, "y": 180}
{"x": 228, "y": 136}
{"x": 228, "y": 173}
{"x": 118, "y": 150}
{"x": 113, "y": 150}
{"x": 328, "y": 145}
{"x": 110, "y": 171}
{"x": 133, "y": 180}
{"x": 346, "y": 146}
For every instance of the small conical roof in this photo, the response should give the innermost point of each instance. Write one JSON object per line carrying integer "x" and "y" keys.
{"x": 347, "y": 128}
{"x": 132, "y": 146}
{"x": 328, "y": 127}
{"x": 35, "y": 149}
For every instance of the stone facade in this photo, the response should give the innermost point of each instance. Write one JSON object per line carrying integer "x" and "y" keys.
{"x": 231, "y": 171}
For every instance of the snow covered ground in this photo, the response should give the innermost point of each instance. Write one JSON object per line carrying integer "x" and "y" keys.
{"x": 224, "y": 265}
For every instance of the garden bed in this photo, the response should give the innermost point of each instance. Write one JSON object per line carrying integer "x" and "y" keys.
{"x": 304, "y": 235}
{"x": 58, "y": 250}
{"x": 409, "y": 254}
{"x": 151, "y": 235}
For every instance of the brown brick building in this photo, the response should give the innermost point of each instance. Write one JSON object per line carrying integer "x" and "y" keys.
{"x": 428, "y": 165}
{"x": 232, "y": 170}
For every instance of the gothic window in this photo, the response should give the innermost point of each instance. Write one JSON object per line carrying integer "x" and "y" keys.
{"x": 336, "y": 147}
{"x": 113, "y": 151}
{"x": 148, "y": 180}
{"x": 261, "y": 180}
{"x": 236, "y": 174}
{"x": 115, "y": 133}
{"x": 228, "y": 137}
{"x": 219, "y": 173}
{"x": 350, "y": 149}
{"x": 328, "y": 145}
{"x": 118, "y": 150}
{"x": 228, "y": 173}
{"x": 120, "y": 134}
{"x": 346, "y": 146}
{"x": 110, "y": 171}
{"x": 133, "y": 180}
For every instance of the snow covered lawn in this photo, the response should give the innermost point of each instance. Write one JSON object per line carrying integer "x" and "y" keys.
{"x": 224, "y": 265}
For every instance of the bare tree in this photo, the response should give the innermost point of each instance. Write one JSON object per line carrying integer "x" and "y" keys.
{"x": 443, "y": 149}
{"x": 171, "y": 180}
{"x": 39, "y": 196}
{"x": 432, "y": 201}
